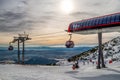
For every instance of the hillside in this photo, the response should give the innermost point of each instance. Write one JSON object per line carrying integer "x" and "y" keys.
{"x": 111, "y": 49}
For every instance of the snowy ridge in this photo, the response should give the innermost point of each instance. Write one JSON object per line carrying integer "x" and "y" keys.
{"x": 111, "y": 50}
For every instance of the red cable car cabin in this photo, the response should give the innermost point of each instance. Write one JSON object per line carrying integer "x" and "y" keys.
{"x": 10, "y": 48}
{"x": 69, "y": 44}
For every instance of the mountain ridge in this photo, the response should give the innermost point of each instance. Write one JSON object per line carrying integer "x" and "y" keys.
{"x": 110, "y": 48}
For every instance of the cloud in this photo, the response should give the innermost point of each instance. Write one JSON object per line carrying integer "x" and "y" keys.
{"x": 22, "y": 15}
{"x": 17, "y": 17}
{"x": 97, "y": 4}
{"x": 1, "y": 2}
{"x": 13, "y": 18}
{"x": 11, "y": 21}
{"x": 43, "y": 16}
{"x": 82, "y": 14}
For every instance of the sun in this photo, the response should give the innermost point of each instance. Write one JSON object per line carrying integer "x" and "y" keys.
{"x": 67, "y": 6}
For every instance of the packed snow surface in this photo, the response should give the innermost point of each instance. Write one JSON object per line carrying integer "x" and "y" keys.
{"x": 64, "y": 72}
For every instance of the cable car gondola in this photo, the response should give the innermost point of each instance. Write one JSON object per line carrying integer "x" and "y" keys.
{"x": 69, "y": 43}
{"x": 10, "y": 48}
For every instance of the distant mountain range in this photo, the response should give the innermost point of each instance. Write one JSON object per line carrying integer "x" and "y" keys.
{"x": 40, "y": 55}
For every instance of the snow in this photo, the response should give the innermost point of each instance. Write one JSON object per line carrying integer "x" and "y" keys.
{"x": 64, "y": 70}
{"x": 111, "y": 50}
{"x": 38, "y": 72}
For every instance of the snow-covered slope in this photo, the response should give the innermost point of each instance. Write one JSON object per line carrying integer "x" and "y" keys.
{"x": 85, "y": 72}
{"x": 111, "y": 50}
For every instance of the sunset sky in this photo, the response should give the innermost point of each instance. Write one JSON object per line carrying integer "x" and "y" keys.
{"x": 46, "y": 20}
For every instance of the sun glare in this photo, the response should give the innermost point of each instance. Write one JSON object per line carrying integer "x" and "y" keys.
{"x": 67, "y": 6}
